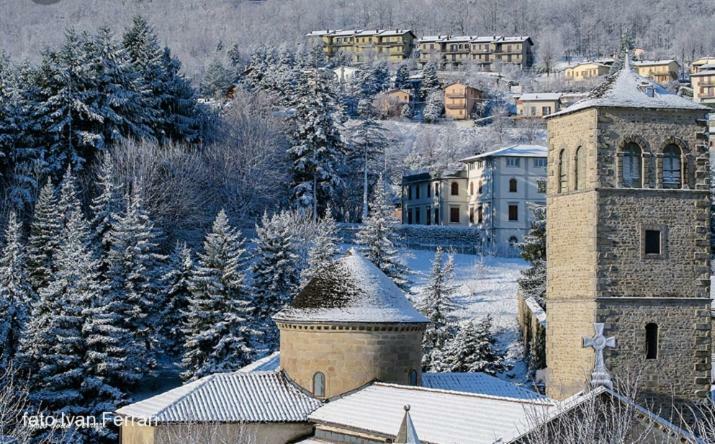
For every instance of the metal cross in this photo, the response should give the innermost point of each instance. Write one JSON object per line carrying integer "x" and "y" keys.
{"x": 600, "y": 375}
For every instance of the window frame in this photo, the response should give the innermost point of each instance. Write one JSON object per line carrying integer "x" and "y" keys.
{"x": 515, "y": 206}
{"x": 663, "y": 242}
{"x": 670, "y": 159}
{"x": 454, "y": 189}
{"x": 513, "y": 185}
{"x": 629, "y": 153}
{"x": 452, "y": 213}
{"x": 324, "y": 383}
{"x": 563, "y": 177}
{"x": 652, "y": 338}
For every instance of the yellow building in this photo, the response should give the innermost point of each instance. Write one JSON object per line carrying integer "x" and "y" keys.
{"x": 661, "y": 71}
{"x": 459, "y": 101}
{"x": 698, "y": 64}
{"x": 390, "y": 103}
{"x": 538, "y": 104}
{"x": 393, "y": 45}
{"x": 454, "y": 52}
{"x": 703, "y": 83}
{"x": 587, "y": 70}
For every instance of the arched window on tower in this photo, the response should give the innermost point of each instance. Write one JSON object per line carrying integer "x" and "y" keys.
{"x": 632, "y": 166}
{"x": 413, "y": 377}
{"x": 672, "y": 170}
{"x": 563, "y": 168}
{"x": 580, "y": 168}
{"x": 512, "y": 185}
{"x": 651, "y": 341}
{"x": 319, "y": 385}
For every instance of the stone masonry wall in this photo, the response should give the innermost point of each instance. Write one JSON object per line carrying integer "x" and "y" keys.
{"x": 350, "y": 356}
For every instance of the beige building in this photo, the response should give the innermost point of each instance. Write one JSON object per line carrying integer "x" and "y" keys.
{"x": 628, "y": 222}
{"x": 435, "y": 199}
{"x": 460, "y": 100}
{"x": 660, "y": 71}
{"x": 699, "y": 63}
{"x": 457, "y": 52}
{"x": 393, "y": 45}
{"x": 537, "y": 104}
{"x": 703, "y": 83}
{"x": 503, "y": 187}
{"x": 587, "y": 70}
{"x": 390, "y": 103}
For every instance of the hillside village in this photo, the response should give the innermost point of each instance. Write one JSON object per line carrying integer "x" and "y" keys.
{"x": 357, "y": 236}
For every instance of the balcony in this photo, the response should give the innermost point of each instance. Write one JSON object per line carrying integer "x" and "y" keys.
{"x": 454, "y": 105}
{"x": 456, "y": 95}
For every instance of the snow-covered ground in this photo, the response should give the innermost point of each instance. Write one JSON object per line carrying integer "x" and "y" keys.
{"x": 487, "y": 285}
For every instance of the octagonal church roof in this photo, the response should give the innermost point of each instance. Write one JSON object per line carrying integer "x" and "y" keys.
{"x": 354, "y": 290}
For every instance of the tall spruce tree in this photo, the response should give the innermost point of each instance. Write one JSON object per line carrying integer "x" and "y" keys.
{"x": 402, "y": 77}
{"x": 324, "y": 249}
{"x": 532, "y": 282}
{"x": 275, "y": 271}
{"x": 134, "y": 273}
{"x": 177, "y": 288}
{"x": 375, "y": 238}
{"x": 437, "y": 304}
{"x": 107, "y": 205}
{"x": 473, "y": 349}
{"x": 317, "y": 149}
{"x": 218, "y": 327}
{"x": 430, "y": 81}
{"x": 16, "y": 293}
{"x": 44, "y": 237}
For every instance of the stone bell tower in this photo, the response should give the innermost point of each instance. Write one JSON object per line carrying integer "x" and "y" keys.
{"x": 628, "y": 214}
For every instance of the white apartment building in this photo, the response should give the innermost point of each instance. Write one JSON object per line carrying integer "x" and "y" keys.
{"x": 503, "y": 187}
{"x": 431, "y": 199}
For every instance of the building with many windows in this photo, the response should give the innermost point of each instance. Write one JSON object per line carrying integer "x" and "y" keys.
{"x": 435, "y": 199}
{"x": 660, "y": 71}
{"x": 503, "y": 187}
{"x": 454, "y": 52}
{"x": 586, "y": 70}
{"x": 703, "y": 83}
{"x": 393, "y": 45}
{"x": 460, "y": 100}
{"x": 538, "y": 104}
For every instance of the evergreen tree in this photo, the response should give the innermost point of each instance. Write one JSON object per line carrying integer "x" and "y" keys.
{"x": 218, "y": 327}
{"x": 44, "y": 237}
{"x": 324, "y": 250}
{"x": 437, "y": 305}
{"x": 177, "y": 286}
{"x": 430, "y": 81}
{"x": 275, "y": 274}
{"x": 134, "y": 270}
{"x": 532, "y": 282}
{"x": 434, "y": 107}
{"x": 375, "y": 238}
{"x": 402, "y": 77}
{"x": 317, "y": 149}
{"x": 217, "y": 81}
{"x": 69, "y": 197}
{"x": 473, "y": 350}
{"x": 373, "y": 80}
{"x": 107, "y": 205}
{"x": 15, "y": 292}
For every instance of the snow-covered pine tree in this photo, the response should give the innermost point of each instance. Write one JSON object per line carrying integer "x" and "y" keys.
{"x": 375, "y": 236}
{"x": 473, "y": 349}
{"x": 373, "y": 80}
{"x": 437, "y": 304}
{"x": 434, "y": 107}
{"x": 54, "y": 347}
{"x": 69, "y": 197}
{"x": 430, "y": 81}
{"x": 217, "y": 81}
{"x": 181, "y": 116}
{"x": 44, "y": 237}
{"x": 219, "y": 322}
{"x": 402, "y": 77}
{"x": 275, "y": 274}
{"x": 107, "y": 205}
{"x": 532, "y": 282}
{"x": 317, "y": 149}
{"x": 134, "y": 274}
{"x": 324, "y": 250}
{"x": 16, "y": 293}
{"x": 177, "y": 288}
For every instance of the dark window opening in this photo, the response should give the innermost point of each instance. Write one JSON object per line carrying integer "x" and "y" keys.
{"x": 512, "y": 185}
{"x": 651, "y": 341}
{"x": 413, "y": 377}
{"x": 513, "y": 212}
{"x": 480, "y": 214}
{"x": 436, "y": 216}
{"x": 652, "y": 241}
{"x": 471, "y": 215}
{"x": 417, "y": 216}
{"x": 417, "y": 191}
{"x": 455, "y": 189}
{"x": 454, "y": 215}
{"x": 409, "y": 216}
{"x": 436, "y": 190}
{"x": 428, "y": 220}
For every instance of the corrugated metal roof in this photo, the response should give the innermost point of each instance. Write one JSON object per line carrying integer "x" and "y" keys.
{"x": 478, "y": 383}
{"x": 351, "y": 289}
{"x": 438, "y": 416}
{"x": 228, "y": 397}
{"x": 512, "y": 151}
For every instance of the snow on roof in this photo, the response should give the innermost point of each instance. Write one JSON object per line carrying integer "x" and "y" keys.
{"x": 395, "y": 32}
{"x": 478, "y": 383}
{"x": 705, "y": 70}
{"x": 520, "y": 38}
{"x": 352, "y": 289}
{"x": 626, "y": 89}
{"x": 228, "y": 397}
{"x": 652, "y": 62}
{"x": 432, "y": 38}
{"x": 269, "y": 363}
{"x": 512, "y": 151}
{"x": 486, "y": 39}
{"x": 438, "y": 416}
{"x": 535, "y": 97}
{"x": 536, "y": 310}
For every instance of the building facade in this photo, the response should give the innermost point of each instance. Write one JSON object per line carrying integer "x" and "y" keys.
{"x": 431, "y": 199}
{"x": 699, "y": 63}
{"x": 503, "y": 187}
{"x": 584, "y": 71}
{"x": 703, "y": 83}
{"x": 660, "y": 71}
{"x": 538, "y": 104}
{"x": 460, "y": 100}
{"x": 393, "y": 45}
{"x": 456, "y": 52}
{"x": 628, "y": 217}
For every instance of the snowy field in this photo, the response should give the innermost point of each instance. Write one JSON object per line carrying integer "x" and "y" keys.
{"x": 487, "y": 285}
